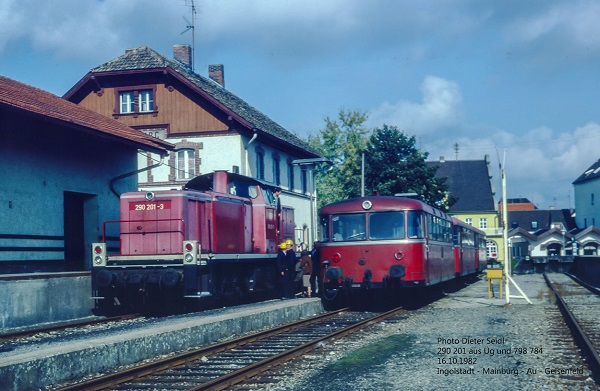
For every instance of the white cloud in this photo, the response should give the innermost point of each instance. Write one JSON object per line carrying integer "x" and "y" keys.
{"x": 439, "y": 109}
{"x": 567, "y": 30}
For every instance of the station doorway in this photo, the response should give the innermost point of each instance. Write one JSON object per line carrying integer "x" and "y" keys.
{"x": 80, "y": 229}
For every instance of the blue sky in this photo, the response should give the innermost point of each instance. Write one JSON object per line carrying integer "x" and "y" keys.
{"x": 510, "y": 78}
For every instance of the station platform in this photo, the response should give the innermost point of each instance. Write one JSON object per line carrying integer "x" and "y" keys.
{"x": 33, "y": 299}
{"x": 533, "y": 290}
{"x": 35, "y": 365}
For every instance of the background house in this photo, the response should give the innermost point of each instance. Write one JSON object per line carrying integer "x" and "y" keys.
{"x": 587, "y": 191}
{"x": 59, "y": 178}
{"x": 211, "y": 128}
{"x": 470, "y": 182}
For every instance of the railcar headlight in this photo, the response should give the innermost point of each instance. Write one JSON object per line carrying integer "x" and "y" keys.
{"x": 336, "y": 257}
{"x": 149, "y": 196}
{"x": 98, "y": 260}
{"x": 189, "y": 258}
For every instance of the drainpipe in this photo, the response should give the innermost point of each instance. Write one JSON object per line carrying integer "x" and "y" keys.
{"x": 128, "y": 174}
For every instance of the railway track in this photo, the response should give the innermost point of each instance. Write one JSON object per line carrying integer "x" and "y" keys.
{"x": 220, "y": 366}
{"x": 580, "y": 307}
{"x": 15, "y": 335}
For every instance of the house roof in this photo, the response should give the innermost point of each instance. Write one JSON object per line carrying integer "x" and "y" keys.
{"x": 592, "y": 172}
{"x": 36, "y": 102}
{"x": 469, "y": 181}
{"x": 145, "y": 58}
{"x": 543, "y": 217}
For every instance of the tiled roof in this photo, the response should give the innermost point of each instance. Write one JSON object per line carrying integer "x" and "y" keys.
{"x": 543, "y": 218}
{"x": 591, "y": 173}
{"x": 146, "y": 58}
{"x": 469, "y": 181}
{"x": 18, "y": 96}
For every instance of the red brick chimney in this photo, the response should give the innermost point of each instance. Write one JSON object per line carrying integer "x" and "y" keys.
{"x": 183, "y": 54}
{"x": 216, "y": 73}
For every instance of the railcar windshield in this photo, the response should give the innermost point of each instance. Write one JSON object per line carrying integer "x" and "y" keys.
{"x": 386, "y": 225}
{"x": 348, "y": 227}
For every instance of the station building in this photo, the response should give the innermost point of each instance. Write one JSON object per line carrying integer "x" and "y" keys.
{"x": 61, "y": 170}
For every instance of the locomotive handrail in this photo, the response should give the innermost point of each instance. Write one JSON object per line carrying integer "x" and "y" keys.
{"x": 181, "y": 231}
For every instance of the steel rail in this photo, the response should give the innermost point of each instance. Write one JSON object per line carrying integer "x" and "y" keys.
{"x": 247, "y": 372}
{"x": 138, "y": 372}
{"x": 578, "y": 333}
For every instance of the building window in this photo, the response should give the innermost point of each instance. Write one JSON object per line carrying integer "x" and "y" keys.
{"x": 303, "y": 180}
{"x": 482, "y": 223}
{"x": 290, "y": 173}
{"x": 126, "y": 100}
{"x": 469, "y": 221}
{"x": 135, "y": 101}
{"x": 146, "y": 101}
{"x": 260, "y": 164}
{"x": 185, "y": 164}
{"x": 534, "y": 225}
{"x": 276, "y": 170}
{"x": 492, "y": 249}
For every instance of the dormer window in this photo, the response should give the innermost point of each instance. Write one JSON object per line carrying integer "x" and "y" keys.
{"x": 135, "y": 101}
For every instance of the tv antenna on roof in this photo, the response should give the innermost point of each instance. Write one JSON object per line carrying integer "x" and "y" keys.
{"x": 190, "y": 26}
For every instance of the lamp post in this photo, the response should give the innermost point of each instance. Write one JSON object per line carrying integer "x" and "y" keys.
{"x": 563, "y": 231}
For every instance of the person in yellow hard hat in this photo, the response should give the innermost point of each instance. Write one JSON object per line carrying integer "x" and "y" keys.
{"x": 286, "y": 272}
{"x": 294, "y": 267}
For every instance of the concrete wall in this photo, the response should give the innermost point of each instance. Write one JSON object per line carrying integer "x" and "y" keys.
{"x": 27, "y": 301}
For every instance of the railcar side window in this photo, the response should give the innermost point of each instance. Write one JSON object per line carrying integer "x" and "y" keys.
{"x": 386, "y": 225}
{"x": 415, "y": 225}
{"x": 348, "y": 227}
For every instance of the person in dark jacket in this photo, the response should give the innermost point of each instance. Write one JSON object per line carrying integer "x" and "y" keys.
{"x": 306, "y": 267}
{"x": 296, "y": 273}
{"x": 287, "y": 272}
{"x": 315, "y": 275}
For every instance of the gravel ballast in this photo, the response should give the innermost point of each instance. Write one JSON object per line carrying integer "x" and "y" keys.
{"x": 463, "y": 341}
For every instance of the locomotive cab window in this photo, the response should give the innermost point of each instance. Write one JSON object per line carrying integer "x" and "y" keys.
{"x": 348, "y": 227}
{"x": 386, "y": 225}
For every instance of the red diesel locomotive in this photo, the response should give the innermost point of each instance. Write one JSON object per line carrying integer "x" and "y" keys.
{"x": 391, "y": 245}
{"x": 218, "y": 237}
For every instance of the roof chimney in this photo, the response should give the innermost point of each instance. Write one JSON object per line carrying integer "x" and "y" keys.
{"x": 183, "y": 54}
{"x": 216, "y": 73}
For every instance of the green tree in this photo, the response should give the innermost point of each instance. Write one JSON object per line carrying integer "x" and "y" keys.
{"x": 342, "y": 141}
{"x": 393, "y": 164}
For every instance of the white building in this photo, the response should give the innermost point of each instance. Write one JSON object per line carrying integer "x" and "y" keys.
{"x": 211, "y": 128}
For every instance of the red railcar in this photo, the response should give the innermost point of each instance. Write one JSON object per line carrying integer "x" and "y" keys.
{"x": 391, "y": 244}
{"x": 469, "y": 249}
{"x": 217, "y": 237}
